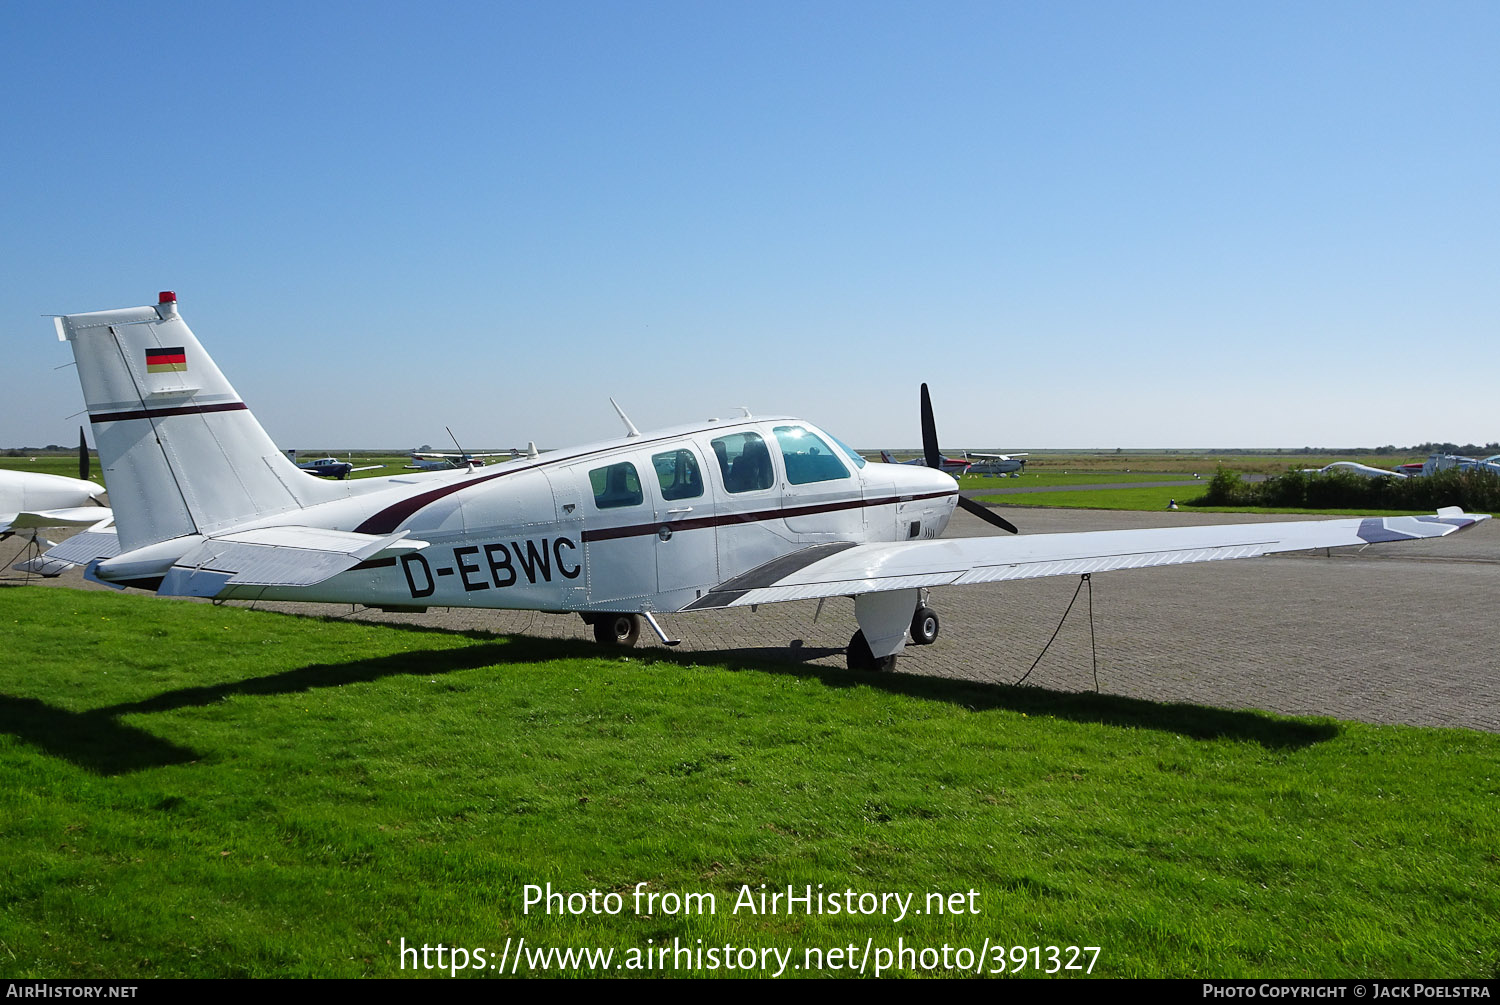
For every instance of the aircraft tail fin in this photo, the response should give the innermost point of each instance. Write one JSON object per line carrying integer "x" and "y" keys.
{"x": 885, "y": 456}
{"x": 180, "y": 451}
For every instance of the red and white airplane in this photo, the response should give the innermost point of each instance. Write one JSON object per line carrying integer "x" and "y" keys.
{"x": 751, "y": 510}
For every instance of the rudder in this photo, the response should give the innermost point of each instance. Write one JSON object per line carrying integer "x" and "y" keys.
{"x": 180, "y": 451}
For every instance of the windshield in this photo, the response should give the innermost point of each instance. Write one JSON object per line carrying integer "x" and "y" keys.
{"x": 859, "y": 461}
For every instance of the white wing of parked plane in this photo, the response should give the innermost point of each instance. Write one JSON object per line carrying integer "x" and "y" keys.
{"x": 835, "y": 570}
{"x": 70, "y": 516}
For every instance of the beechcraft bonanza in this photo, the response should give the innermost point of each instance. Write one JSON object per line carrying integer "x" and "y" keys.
{"x": 750, "y": 510}
{"x": 329, "y": 467}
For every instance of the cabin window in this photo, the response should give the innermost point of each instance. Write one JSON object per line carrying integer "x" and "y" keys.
{"x": 616, "y": 486}
{"x": 744, "y": 461}
{"x": 678, "y": 474}
{"x": 807, "y": 457}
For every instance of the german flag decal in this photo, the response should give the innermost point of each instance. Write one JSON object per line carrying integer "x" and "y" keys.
{"x": 165, "y": 360}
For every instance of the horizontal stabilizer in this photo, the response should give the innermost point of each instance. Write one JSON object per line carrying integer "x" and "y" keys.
{"x": 876, "y": 568}
{"x": 85, "y": 546}
{"x": 275, "y": 556}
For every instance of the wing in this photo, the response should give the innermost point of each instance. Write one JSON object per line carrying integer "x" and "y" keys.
{"x": 837, "y": 570}
{"x": 73, "y": 516}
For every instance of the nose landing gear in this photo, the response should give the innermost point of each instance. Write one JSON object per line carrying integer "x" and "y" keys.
{"x": 622, "y": 630}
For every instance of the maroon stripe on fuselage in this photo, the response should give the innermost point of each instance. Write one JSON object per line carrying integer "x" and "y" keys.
{"x": 388, "y": 519}
{"x": 157, "y": 413}
{"x": 757, "y": 516}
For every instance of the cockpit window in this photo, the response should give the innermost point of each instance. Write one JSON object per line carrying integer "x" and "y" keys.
{"x": 807, "y": 457}
{"x": 677, "y": 472}
{"x": 744, "y": 461}
{"x": 616, "y": 486}
{"x": 859, "y": 461}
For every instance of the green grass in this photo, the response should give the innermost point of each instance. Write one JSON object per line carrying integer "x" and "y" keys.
{"x": 1047, "y": 479}
{"x": 189, "y": 790}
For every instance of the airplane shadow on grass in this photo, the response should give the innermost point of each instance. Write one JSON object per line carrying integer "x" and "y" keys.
{"x": 98, "y": 741}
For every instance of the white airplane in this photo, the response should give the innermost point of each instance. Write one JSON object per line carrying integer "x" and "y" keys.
{"x": 329, "y": 467}
{"x": 723, "y": 514}
{"x": 426, "y": 460}
{"x": 998, "y": 464}
{"x": 31, "y": 501}
{"x": 1442, "y": 462}
{"x": 1356, "y": 468}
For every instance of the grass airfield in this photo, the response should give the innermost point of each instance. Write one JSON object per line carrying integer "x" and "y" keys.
{"x": 192, "y": 790}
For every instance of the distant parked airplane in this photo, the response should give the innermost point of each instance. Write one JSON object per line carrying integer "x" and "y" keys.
{"x": 330, "y": 467}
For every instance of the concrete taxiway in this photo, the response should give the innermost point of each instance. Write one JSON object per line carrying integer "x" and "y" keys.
{"x": 1398, "y": 633}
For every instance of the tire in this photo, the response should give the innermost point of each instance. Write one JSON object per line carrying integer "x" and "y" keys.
{"x": 622, "y": 630}
{"x": 925, "y": 626}
{"x": 859, "y": 656}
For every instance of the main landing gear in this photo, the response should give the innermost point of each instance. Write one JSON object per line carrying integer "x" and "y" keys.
{"x": 924, "y": 626}
{"x": 860, "y": 658}
{"x": 923, "y": 629}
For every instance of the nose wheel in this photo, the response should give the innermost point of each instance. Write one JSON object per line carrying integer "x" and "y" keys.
{"x": 622, "y": 630}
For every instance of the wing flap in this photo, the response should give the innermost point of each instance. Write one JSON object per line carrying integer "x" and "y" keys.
{"x": 873, "y": 568}
{"x": 275, "y": 556}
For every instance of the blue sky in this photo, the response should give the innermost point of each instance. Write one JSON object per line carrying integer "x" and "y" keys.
{"x": 1084, "y": 224}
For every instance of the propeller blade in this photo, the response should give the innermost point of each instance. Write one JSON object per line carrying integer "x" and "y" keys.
{"x": 986, "y": 514}
{"x": 930, "y": 451}
{"x": 83, "y": 457}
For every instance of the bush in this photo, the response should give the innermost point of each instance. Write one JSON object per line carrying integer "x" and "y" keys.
{"x": 1475, "y": 491}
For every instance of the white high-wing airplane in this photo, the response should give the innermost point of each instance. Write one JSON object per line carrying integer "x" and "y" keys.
{"x": 998, "y": 464}
{"x": 427, "y": 460}
{"x": 31, "y": 501}
{"x": 723, "y": 514}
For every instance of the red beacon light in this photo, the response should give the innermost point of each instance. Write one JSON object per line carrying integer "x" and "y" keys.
{"x": 166, "y": 297}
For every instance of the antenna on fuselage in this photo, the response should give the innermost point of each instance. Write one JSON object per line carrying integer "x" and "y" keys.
{"x": 630, "y": 429}
{"x": 462, "y": 454}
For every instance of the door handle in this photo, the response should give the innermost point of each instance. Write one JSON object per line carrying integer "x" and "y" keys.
{"x": 680, "y": 509}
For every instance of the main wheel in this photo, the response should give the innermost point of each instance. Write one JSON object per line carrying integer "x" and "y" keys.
{"x": 924, "y": 626}
{"x": 860, "y": 657}
{"x": 617, "y": 629}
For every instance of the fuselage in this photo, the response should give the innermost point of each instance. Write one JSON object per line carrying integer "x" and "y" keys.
{"x": 30, "y": 490}
{"x": 644, "y": 523}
